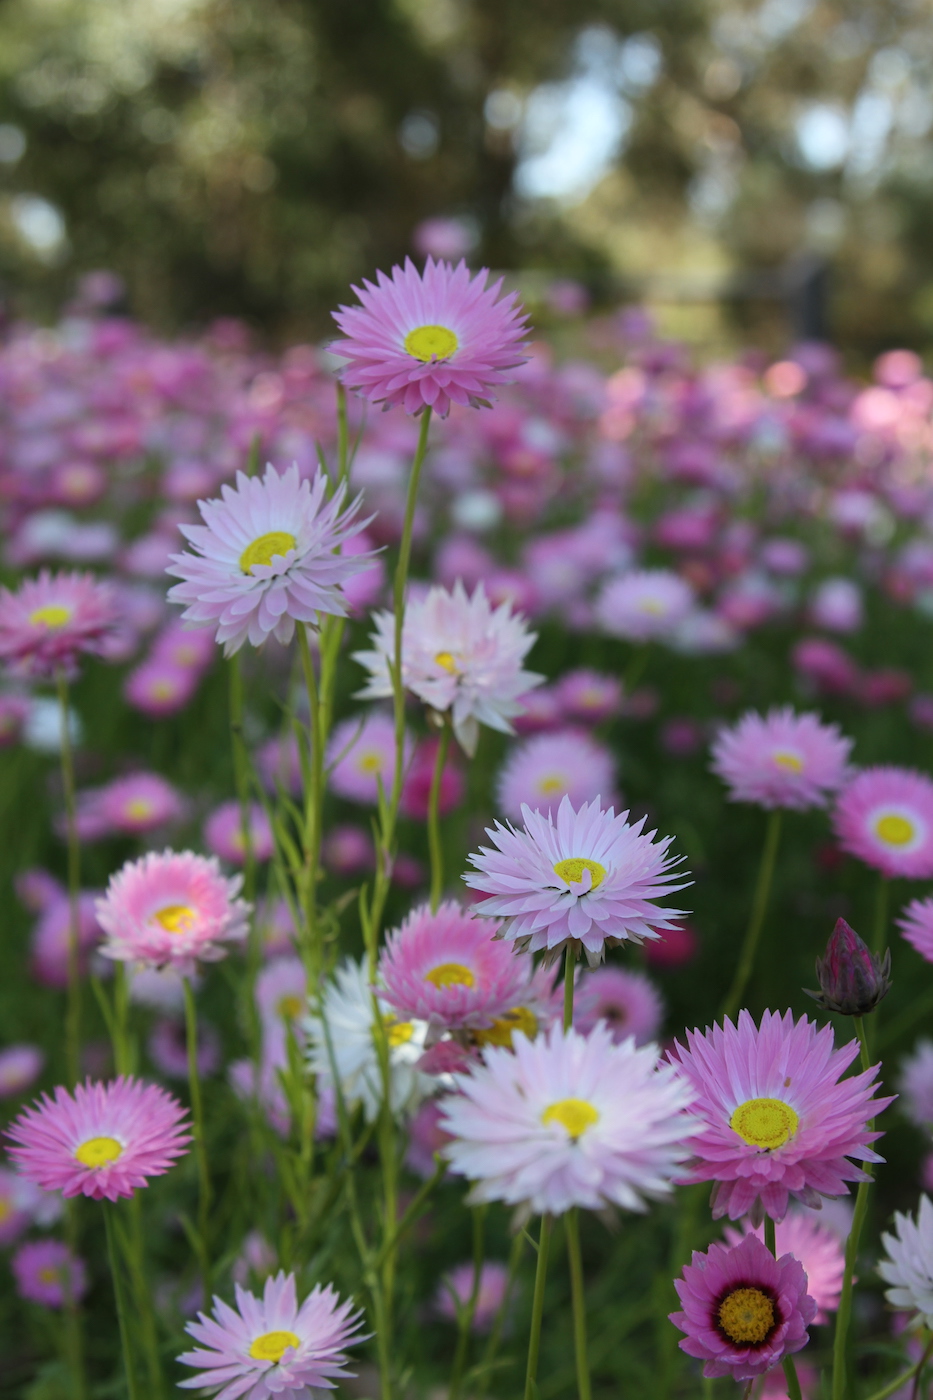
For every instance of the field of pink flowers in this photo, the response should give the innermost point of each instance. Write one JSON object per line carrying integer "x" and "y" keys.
{"x": 432, "y": 770}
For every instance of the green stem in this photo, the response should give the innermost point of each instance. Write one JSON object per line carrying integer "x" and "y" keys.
{"x": 537, "y": 1309}
{"x": 73, "y": 1008}
{"x": 200, "y": 1145}
{"x": 578, "y": 1296}
{"x": 770, "y": 1232}
{"x": 120, "y": 1297}
{"x": 495, "y": 1336}
{"x": 74, "y": 1348}
{"x": 879, "y": 936}
{"x": 434, "y": 834}
{"x": 844, "y": 1312}
{"x": 314, "y": 804}
{"x": 756, "y": 921}
{"x": 343, "y": 455}
{"x": 569, "y": 961}
{"x": 892, "y": 1386}
{"x": 143, "y": 1295}
{"x": 467, "y": 1313}
{"x": 793, "y": 1380}
{"x": 241, "y": 774}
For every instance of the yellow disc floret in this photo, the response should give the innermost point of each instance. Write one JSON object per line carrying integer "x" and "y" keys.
{"x": 175, "y": 918}
{"x": 790, "y": 762}
{"x": 572, "y": 870}
{"x": 138, "y": 808}
{"x": 764, "y": 1123}
{"x": 52, "y": 615}
{"x": 98, "y": 1151}
{"x": 894, "y": 830}
{"x": 450, "y": 975}
{"x": 552, "y": 783}
{"x": 264, "y": 549}
{"x": 447, "y": 661}
{"x": 431, "y": 343}
{"x": 290, "y": 1007}
{"x": 369, "y": 762}
{"x": 271, "y": 1346}
{"x": 517, "y": 1018}
{"x": 746, "y": 1315}
{"x": 397, "y": 1032}
{"x": 576, "y": 1115}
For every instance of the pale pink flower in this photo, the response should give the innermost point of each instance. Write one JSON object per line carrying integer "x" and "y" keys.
{"x": 53, "y": 619}
{"x": 548, "y": 767}
{"x": 644, "y": 605}
{"x": 781, "y": 759}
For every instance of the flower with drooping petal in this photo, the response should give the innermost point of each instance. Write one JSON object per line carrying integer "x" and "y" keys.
{"x": 742, "y": 1309}
{"x": 266, "y": 557}
{"x": 426, "y": 341}
{"x": 361, "y": 754}
{"x": 588, "y": 875}
{"x": 909, "y": 1263}
{"x": 459, "y": 654}
{"x": 448, "y": 969}
{"x": 644, "y": 605}
{"x": 777, "y": 1119}
{"x": 271, "y": 1346}
{"x": 819, "y": 1249}
{"x": 47, "y": 1272}
{"x": 916, "y": 924}
{"x": 548, "y": 767}
{"x": 781, "y": 759}
{"x": 172, "y": 910}
{"x": 568, "y": 1120}
{"x": 884, "y": 817}
{"x": 627, "y": 1003}
{"x": 51, "y": 620}
{"x": 103, "y": 1141}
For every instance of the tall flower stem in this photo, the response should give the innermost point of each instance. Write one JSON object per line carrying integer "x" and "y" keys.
{"x": 434, "y": 833}
{"x": 844, "y": 1311}
{"x": 537, "y": 1309}
{"x": 468, "y": 1311}
{"x": 120, "y": 1298}
{"x": 569, "y": 964}
{"x": 143, "y": 1295}
{"x": 756, "y": 921}
{"x": 495, "y": 1335}
{"x": 73, "y": 1009}
{"x": 200, "y": 1145}
{"x": 314, "y": 805}
{"x": 578, "y": 1297}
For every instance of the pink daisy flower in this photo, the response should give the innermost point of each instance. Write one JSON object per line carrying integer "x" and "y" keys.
{"x": 589, "y": 876}
{"x": 743, "y": 1310}
{"x": 47, "y": 1272}
{"x": 459, "y": 654}
{"x": 223, "y": 833}
{"x": 566, "y": 1121}
{"x": 456, "y": 1290}
{"x": 51, "y": 620}
{"x": 20, "y": 1066}
{"x": 171, "y": 910}
{"x": 541, "y": 771}
{"x": 645, "y": 605}
{"x": 157, "y": 688}
{"x": 426, "y": 341}
{"x": 884, "y": 817}
{"x": 129, "y": 806}
{"x": 589, "y": 697}
{"x": 781, "y": 759}
{"x": 361, "y": 754}
{"x": 103, "y": 1141}
{"x": 266, "y": 557}
{"x": 447, "y": 968}
{"x": 777, "y": 1120}
{"x": 819, "y": 1249}
{"x": 271, "y": 1346}
{"x": 916, "y": 924}
{"x": 627, "y": 1003}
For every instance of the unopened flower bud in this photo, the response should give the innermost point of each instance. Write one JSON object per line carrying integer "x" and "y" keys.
{"x": 853, "y": 979}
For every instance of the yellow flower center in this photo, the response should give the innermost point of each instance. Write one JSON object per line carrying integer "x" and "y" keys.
{"x": 746, "y": 1315}
{"x": 552, "y": 783}
{"x": 139, "y": 808}
{"x": 790, "y": 762}
{"x": 431, "y": 343}
{"x": 576, "y": 1115}
{"x": 446, "y": 660}
{"x": 397, "y": 1032}
{"x": 652, "y": 605}
{"x": 5, "y": 1209}
{"x": 51, "y": 616}
{"x": 572, "y": 870}
{"x": 764, "y": 1123}
{"x": 894, "y": 830}
{"x": 98, "y": 1151}
{"x": 450, "y": 975}
{"x": 290, "y": 1007}
{"x": 49, "y": 1275}
{"x": 517, "y": 1018}
{"x": 175, "y": 918}
{"x": 271, "y": 1346}
{"x": 369, "y": 763}
{"x": 264, "y": 549}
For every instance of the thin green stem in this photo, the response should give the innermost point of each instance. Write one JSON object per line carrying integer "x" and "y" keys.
{"x": 880, "y": 931}
{"x": 468, "y": 1311}
{"x": 74, "y": 1348}
{"x": 343, "y": 455}
{"x": 793, "y": 1380}
{"x": 120, "y": 1298}
{"x": 901, "y": 1380}
{"x": 200, "y": 1144}
{"x": 578, "y": 1298}
{"x": 537, "y": 1309}
{"x": 569, "y": 962}
{"x": 770, "y": 1232}
{"x": 314, "y": 804}
{"x": 434, "y": 833}
{"x": 143, "y": 1295}
{"x": 844, "y": 1312}
{"x": 756, "y": 922}
{"x": 73, "y": 1008}
{"x": 495, "y": 1335}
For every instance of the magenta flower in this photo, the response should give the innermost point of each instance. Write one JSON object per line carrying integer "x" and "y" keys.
{"x": 158, "y": 688}
{"x": 781, "y": 759}
{"x": 47, "y": 1272}
{"x": 627, "y": 1003}
{"x": 456, "y": 1290}
{"x": 129, "y": 806}
{"x": 361, "y": 754}
{"x": 271, "y": 1346}
{"x": 587, "y": 875}
{"x": 548, "y": 767}
{"x": 168, "y": 1048}
{"x": 426, "y": 341}
{"x": 447, "y": 968}
{"x": 916, "y": 924}
{"x": 589, "y": 697}
{"x": 743, "y": 1310}
{"x": 266, "y": 557}
{"x": 53, "y": 619}
{"x": 884, "y": 817}
{"x": 777, "y": 1120}
{"x": 817, "y": 1246}
{"x": 104, "y": 1141}
{"x": 223, "y": 832}
{"x": 171, "y": 910}
{"x": 20, "y": 1066}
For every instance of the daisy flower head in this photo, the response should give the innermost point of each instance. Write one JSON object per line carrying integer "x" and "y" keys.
{"x": 542, "y": 770}
{"x": 361, "y": 755}
{"x": 102, "y": 1141}
{"x": 129, "y": 806}
{"x": 777, "y": 1120}
{"x": 46, "y": 1272}
{"x": 568, "y": 1120}
{"x": 819, "y": 1249}
{"x": 916, "y": 924}
{"x": 645, "y": 605}
{"x": 270, "y": 1346}
{"x": 909, "y": 1263}
{"x": 448, "y": 969}
{"x": 171, "y": 910}
{"x": 884, "y": 817}
{"x": 587, "y": 875}
{"x": 267, "y": 556}
{"x": 20, "y": 1066}
{"x": 426, "y": 340}
{"x": 223, "y": 832}
{"x": 459, "y": 655}
{"x": 742, "y": 1310}
{"x": 781, "y": 759}
{"x": 627, "y": 1003}
{"x": 51, "y": 620}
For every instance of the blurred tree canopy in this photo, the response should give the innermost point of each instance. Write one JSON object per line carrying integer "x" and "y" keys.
{"x": 238, "y": 157}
